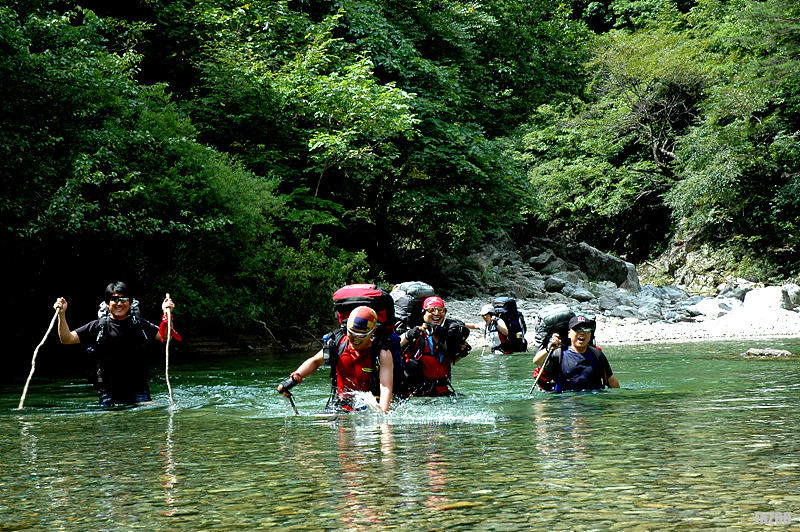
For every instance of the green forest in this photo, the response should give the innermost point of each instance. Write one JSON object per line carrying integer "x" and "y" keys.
{"x": 249, "y": 157}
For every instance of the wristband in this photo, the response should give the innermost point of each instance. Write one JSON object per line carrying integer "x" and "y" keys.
{"x": 296, "y": 377}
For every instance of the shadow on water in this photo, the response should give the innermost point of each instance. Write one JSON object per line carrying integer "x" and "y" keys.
{"x": 697, "y": 438}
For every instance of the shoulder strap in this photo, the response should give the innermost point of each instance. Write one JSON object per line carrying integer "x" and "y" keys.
{"x": 554, "y": 369}
{"x": 333, "y": 347}
{"x": 103, "y": 317}
{"x": 598, "y": 356}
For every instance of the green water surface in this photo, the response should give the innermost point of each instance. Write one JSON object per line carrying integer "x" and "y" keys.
{"x": 697, "y": 438}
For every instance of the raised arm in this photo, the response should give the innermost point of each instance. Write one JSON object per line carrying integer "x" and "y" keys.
{"x": 66, "y": 336}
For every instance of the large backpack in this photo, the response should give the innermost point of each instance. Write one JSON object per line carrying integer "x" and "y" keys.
{"x": 408, "y": 298}
{"x": 550, "y": 320}
{"x": 347, "y": 298}
{"x": 505, "y": 308}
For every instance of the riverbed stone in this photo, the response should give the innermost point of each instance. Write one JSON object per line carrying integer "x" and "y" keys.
{"x": 766, "y": 353}
{"x": 578, "y": 293}
{"x": 714, "y": 307}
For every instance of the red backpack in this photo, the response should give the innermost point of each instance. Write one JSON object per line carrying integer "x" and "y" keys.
{"x": 347, "y": 298}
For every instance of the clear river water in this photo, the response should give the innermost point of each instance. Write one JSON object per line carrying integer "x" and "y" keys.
{"x": 697, "y": 438}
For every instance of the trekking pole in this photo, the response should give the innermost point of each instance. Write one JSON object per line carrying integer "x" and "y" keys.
{"x": 33, "y": 362}
{"x": 541, "y": 368}
{"x": 166, "y": 353}
{"x": 288, "y": 395}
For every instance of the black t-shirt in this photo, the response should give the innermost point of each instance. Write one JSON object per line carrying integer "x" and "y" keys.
{"x": 123, "y": 353}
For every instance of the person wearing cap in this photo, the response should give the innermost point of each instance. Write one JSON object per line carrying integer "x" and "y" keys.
{"x": 359, "y": 362}
{"x": 580, "y": 366}
{"x": 430, "y": 350}
{"x": 495, "y": 331}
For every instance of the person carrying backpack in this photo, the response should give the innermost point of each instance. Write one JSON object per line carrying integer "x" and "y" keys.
{"x": 513, "y": 339}
{"x": 579, "y": 366}
{"x": 359, "y": 362}
{"x": 430, "y": 350}
{"x": 118, "y": 341}
{"x": 495, "y": 331}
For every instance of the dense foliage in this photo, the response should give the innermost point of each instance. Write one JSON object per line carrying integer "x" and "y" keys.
{"x": 691, "y": 117}
{"x": 251, "y": 157}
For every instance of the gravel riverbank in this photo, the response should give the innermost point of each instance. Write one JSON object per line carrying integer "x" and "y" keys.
{"x": 740, "y": 323}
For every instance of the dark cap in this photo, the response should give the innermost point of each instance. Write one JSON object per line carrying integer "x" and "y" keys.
{"x": 582, "y": 321}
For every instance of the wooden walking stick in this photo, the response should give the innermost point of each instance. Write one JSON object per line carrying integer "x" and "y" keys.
{"x": 33, "y": 362}
{"x": 166, "y": 354}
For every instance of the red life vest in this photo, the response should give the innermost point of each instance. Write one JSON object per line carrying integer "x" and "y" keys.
{"x": 354, "y": 370}
{"x": 436, "y": 368}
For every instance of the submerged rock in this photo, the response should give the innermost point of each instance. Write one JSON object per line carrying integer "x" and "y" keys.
{"x": 766, "y": 353}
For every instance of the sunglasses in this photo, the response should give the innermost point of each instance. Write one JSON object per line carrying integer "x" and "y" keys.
{"x": 436, "y": 310}
{"x": 120, "y": 299}
{"x": 360, "y": 335}
{"x": 583, "y": 330}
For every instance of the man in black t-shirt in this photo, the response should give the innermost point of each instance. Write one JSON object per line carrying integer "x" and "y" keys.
{"x": 118, "y": 343}
{"x": 579, "y": 366}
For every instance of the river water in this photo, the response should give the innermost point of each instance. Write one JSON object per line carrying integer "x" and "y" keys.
{"x": 697, "y": 438}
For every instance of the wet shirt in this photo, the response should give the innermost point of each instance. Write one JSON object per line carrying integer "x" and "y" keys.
{"x": 583, "y": 371}
{"x": 122, "y": 355}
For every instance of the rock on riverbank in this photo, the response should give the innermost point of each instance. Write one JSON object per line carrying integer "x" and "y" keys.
{"x": 592, "y": 282}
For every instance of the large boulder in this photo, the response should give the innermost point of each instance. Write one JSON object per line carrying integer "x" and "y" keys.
{"x": 598, "y": 265}
{"x": 766, "y": 298}
{"x": 793, "y": 291}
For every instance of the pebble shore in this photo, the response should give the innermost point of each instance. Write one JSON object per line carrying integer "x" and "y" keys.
{"x": 740, "y": 323}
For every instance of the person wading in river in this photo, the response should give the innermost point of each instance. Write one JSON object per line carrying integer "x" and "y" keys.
{"x": 579, "y": 366}
{"x": 430, "y": 350}
{"x": 492, "y": 327}
{"x": 117, "y": 341}
{"x": 359, "y": 363}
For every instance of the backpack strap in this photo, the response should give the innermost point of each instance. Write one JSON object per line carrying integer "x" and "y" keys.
{"x": 103, "y": 317}
{"x": 332, "y": 348}
{"x": 553, "y": 369}
{"x": 599, "y": 356}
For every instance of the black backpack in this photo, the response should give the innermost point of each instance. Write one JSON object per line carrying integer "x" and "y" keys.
{"x": 505, "y": 308}
{"x": 454, "y": 334}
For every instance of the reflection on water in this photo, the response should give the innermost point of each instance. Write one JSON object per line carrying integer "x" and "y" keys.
{"x": 697, "y": 438}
